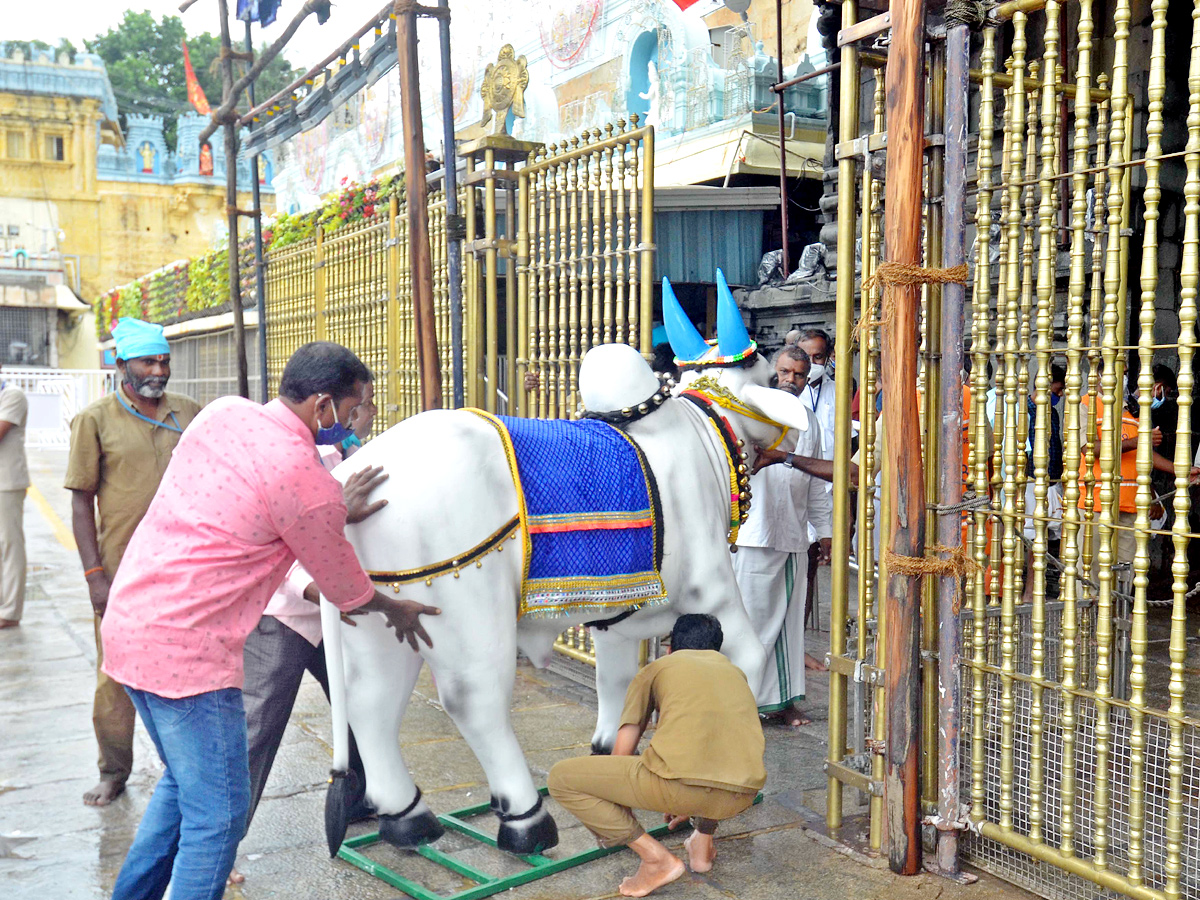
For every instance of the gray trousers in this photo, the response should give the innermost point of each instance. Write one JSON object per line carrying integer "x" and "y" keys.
{"x": 12, "y": 554}
{"x": 276, "y": 659}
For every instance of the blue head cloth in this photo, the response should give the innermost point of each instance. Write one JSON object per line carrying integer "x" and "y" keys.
{"x": 135, "y": 339}
{"x": 658, "y": 336}
{"x": 686, "y": 342}
{"x": 732, "y": 337}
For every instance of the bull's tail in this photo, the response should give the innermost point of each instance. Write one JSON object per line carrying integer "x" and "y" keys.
{"x": 341, "y": 779}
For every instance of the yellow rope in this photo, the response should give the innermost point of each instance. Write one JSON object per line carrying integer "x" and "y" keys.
{"x": 891, "y": 273}
{"x": 956, "y": 563}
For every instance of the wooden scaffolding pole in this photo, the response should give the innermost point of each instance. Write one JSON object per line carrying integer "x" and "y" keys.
{"x": 415, "y": 192}
{"x": 903, "y": 481}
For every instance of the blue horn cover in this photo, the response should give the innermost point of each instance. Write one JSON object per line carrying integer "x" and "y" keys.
{"x": 686, "y": 342}
{"x": 732, "y": 337}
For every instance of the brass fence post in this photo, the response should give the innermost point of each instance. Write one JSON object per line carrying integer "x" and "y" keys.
{"x": 319, "y": 330}
{"x": 393, "y": 313}
{"x": 846, "y": 219}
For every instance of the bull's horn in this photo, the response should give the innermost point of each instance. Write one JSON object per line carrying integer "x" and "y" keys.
{"x": 686, "y": 342}
{"x": 732, "y": 337}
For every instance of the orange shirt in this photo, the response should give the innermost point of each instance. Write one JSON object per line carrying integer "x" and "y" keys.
{"x": 1129, "y": 429}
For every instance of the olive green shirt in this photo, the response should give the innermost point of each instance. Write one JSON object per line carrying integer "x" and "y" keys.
{"x": 121, "y": 459}
{"x": 708, "y": 733}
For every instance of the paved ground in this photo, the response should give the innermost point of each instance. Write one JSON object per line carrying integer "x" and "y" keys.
{"x": 47, "y": 760}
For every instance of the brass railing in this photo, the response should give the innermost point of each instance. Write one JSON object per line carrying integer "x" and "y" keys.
{"x": 352, "y": 286}
{"x": 1079, "y": 768}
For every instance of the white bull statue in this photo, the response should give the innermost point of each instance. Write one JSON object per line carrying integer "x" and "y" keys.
{"x": 451, "y": 488}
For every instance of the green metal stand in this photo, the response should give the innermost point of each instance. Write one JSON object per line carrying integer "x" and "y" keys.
{"x": 485, "y": 885}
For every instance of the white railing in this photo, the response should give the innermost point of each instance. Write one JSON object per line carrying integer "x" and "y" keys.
{"x": 55, "y": 396}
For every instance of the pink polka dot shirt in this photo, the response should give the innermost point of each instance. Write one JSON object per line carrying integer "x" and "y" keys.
{"x": 244, "y": 496}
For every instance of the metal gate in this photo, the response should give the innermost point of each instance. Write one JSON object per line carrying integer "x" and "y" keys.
{"x": 1079, "y": 746}
{"x": 55, "y": 396}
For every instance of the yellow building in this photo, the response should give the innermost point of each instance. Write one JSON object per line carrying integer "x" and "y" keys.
{"x": 84, "y": 207}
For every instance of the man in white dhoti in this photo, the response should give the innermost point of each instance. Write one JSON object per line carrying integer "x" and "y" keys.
{"x": 771, "y": 564}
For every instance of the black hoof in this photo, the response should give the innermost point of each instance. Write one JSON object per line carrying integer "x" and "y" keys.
{"x": 339, "y": 800}
{"x": 599, "y": 749}
{"x": 408, "y": 832}
{"x": 532, "y": 832}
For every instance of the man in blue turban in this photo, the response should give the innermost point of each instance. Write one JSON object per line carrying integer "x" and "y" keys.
{"x": 120, "y": 447}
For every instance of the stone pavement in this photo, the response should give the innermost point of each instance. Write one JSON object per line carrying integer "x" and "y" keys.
{"x": 47, "y": 761}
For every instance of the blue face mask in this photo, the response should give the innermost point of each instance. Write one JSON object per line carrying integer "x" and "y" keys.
{"x": 1157, "y": 402}
{"x": 334, "y": 434}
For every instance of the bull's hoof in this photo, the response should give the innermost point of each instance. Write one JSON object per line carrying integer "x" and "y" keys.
{"x": 412, "y": 828}
{"x": 599, "y": 748}
{"x": 530, "y": 832}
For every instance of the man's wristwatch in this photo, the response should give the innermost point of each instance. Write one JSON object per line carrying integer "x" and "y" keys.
{"x": 790, "y": 460}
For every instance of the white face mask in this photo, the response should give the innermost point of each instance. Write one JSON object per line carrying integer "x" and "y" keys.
{"x": 815, "y": 373}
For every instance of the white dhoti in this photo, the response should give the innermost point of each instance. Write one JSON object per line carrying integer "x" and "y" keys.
{"x": 773, "y": 584}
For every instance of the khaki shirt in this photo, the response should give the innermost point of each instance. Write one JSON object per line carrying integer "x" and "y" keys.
{"x": 121, "y": 459}
{"x": 14, "y": 470}
{"x": 708, "y": 732}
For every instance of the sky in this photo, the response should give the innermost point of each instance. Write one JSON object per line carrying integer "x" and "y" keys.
{"x": 80, "y": 19}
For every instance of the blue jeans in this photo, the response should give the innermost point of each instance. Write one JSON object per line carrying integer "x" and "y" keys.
{"x": 189, "y": 834}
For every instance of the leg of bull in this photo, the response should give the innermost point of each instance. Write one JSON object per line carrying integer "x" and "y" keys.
{"x": 380, "y": 675}
{"x": 478, "y": 695}
{"x": 616, "y": 665}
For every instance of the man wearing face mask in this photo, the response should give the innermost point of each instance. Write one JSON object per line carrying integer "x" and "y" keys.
{"x": 120, "y": 447}
{"x": 772, "y": 555}
{"x": 287, "y": 642}
{"x": 818, "y": 395}
{"x": 245, "y": 496}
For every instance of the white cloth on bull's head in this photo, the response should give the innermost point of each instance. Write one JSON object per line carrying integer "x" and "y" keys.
{"x": 786, "y": 501}
{"x": 774, "y": 587}
{"x": 613, "y": 377}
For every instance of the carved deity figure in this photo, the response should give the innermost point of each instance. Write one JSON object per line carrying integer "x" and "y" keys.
{"x": 147, "y": 153}
{"x": 651, "y": 95}
{"x": 206, "y": 159}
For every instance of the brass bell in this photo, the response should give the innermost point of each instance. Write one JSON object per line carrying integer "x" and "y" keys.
{"x": 741, "y": 443}
{"x": 627, "y": 412}
{"x": 733, "y": 548}
{"x": 643, "y": 408}
{"x": 744, "y": 496}
{"x": 745, "y": 456}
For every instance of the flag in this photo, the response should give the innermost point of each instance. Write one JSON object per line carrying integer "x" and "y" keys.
{"x": 684, "y": 4}
{"x": 260, "y": 11}
{"x": 195, "y": 92}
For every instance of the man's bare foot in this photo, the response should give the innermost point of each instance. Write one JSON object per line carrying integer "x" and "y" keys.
{"x": 9, "y": 623}
{"x": 701, "y": 851}
{"x": 104, "y": 793}
{"x": 793, "y": 718}
{"x": 235, "y": 877}
{"x": 650, "y": 876}
{"x": 813, "y": 664}
{"x": 659, "y": 866}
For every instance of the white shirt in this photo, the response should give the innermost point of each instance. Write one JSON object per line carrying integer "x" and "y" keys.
{"x": 287, "y": 604}
{"x": 787, "y": 502}
{"x": 820, "y": 399}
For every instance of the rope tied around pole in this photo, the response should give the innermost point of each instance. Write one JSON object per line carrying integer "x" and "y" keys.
{"x": 887, "y": 274}
{"x": 972, "y": 13}
{"x": 956, "y": 563}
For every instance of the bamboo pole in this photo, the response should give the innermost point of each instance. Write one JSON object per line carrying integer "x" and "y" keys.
{"x": 231, "y": 211}
{"x": 905, "y": 487}
{"x": 848, "y": 130}
{"x": 416, "y": 191}
{"x": 783, "y": 189}
{"x": 454, "y": 225}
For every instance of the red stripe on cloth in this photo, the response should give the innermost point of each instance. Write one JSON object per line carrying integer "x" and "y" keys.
{"x": 584, "y": 526}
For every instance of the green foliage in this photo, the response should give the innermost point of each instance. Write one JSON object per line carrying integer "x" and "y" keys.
{"x": 144, "y": 58}
{"x": 203, "y": 283}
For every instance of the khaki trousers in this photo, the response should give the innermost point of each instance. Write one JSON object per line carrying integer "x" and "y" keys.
{"x": 12, "y": 554}
{"x": 112, "y": 717}
{"x": 602, "y": 791}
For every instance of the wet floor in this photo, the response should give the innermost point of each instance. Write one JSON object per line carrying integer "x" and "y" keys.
{"x": 52, "y": 847}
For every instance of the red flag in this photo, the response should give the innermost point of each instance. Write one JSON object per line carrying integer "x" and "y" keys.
{"x": 195, "y": 92}
{"x": 684, "y": 4}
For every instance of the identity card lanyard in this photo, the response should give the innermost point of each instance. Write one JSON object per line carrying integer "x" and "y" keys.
{"x": 154, "y": 422}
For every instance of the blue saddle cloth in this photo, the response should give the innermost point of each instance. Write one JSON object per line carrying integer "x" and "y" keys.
{"x": 590, "y": 514}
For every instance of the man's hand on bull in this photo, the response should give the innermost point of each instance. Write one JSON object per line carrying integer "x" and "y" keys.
{"x": 766, "y": 457}
{"x": 356, "y": 490}
{"x": 826, "y": 552}
{"x": 403, "y": 615}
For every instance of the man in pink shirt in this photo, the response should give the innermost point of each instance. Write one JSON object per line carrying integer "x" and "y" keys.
{"x": 244, "y": 496}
